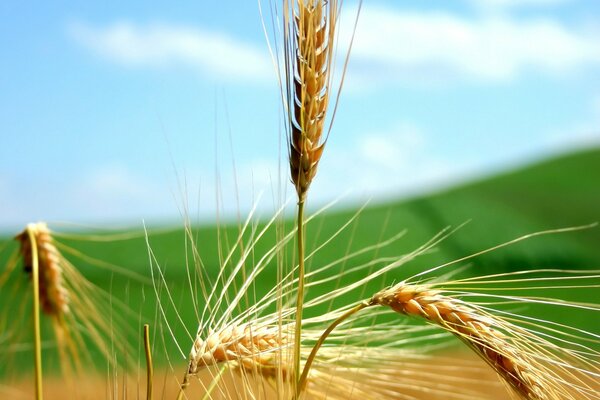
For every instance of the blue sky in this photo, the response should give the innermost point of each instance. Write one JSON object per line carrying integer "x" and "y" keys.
{"x": 114, "y": 112}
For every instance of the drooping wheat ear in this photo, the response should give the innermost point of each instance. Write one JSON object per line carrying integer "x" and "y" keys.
{"x": 472, "y": 327}
{"x": 54, "y": 297}
{"x": 251, "y": 348}
{"x": 309, "y": 51}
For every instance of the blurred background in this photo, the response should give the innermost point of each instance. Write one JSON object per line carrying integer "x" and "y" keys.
{"x": 112, "y": 113}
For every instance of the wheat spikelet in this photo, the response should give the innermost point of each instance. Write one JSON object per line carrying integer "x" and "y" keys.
{"x": 309, "y": 52}
{"x": 477, "y": 330}
{"x": 54, "y": 297}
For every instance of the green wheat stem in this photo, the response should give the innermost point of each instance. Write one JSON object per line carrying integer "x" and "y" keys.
{"x": 300, "y": 298}
{"x": 149, "y": 368}
{"x": 37, "y": 335}
{"x": 317, "y": 346}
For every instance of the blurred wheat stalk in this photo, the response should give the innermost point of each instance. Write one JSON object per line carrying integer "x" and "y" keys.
{"x": 76, "y": 308}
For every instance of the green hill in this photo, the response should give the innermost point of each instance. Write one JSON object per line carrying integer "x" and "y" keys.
{"x": 556, "y": 193}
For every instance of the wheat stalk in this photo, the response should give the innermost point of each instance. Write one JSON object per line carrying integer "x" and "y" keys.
{"x": 309, "y": 33}
{"x": 33, "y": 263}
{"x": 251, "y": 348}
{"x": 538, "y": 359}
{"x": 149, "y": 365}
{"x": 522, "y": 357}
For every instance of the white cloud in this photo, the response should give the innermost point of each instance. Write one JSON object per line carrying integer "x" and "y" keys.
{"x": 392, "y": 149}
{"x": 112, "y": 181}
{"x": 385, "y": 163}
{"x": 163, "y": 45}
{"x": 440, "y": 47}
{"x": 114, "y": 192}
{"x": 103, "y": 195}
{"x": 581, "y": 136}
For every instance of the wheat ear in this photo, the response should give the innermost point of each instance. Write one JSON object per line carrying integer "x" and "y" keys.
{"x": 252, "y": 349}
{"x": 309, "y": 34}
{"x": 476, "y": 330}
{"x": 54, "y": 297}
{"x": 310, "y": 38}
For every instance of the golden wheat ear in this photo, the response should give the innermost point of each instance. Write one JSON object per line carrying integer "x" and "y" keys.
{"x": 254, "y": 352}
{"x": 252, "y": 348}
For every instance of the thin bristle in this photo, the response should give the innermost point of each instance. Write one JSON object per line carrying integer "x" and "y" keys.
{"x": 54, "y": 297}
{"x": 476, "y": 330}
{"x": 310, "y": 40}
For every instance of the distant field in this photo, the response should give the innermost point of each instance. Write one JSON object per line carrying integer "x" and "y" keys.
{"x": 93, "y": 387}
{"x": 557, "y": 193}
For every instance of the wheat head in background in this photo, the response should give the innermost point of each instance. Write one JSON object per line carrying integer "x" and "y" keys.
{"x": 84, "y": 319}
{"x": 54, "y": 297}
